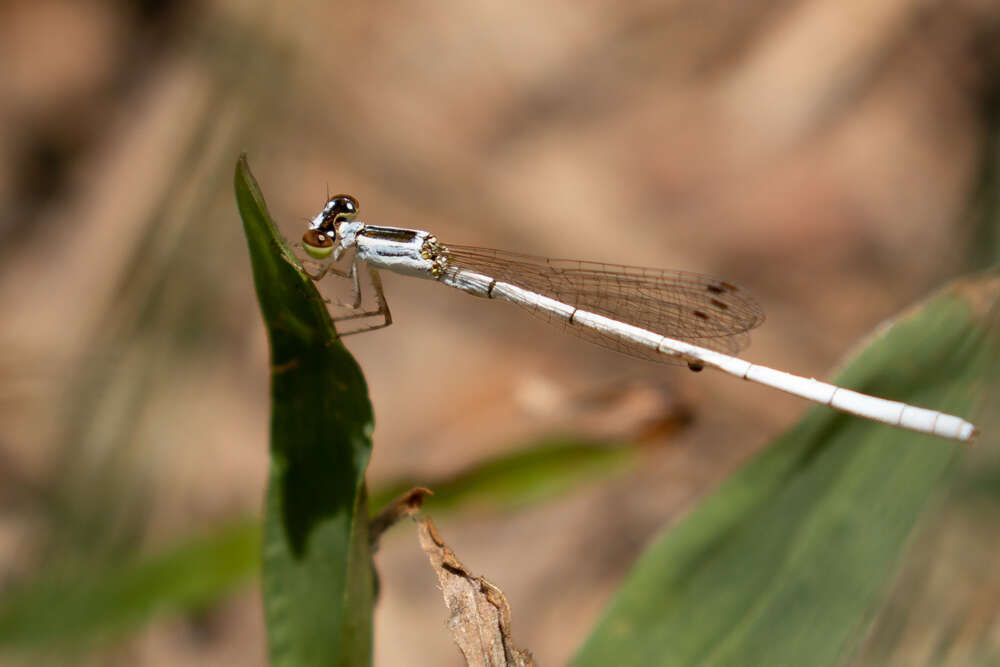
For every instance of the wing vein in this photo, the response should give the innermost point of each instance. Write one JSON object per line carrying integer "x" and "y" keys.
{"x": 693, "y": 307}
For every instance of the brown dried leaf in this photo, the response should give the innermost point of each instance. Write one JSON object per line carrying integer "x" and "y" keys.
{"x": 480, "y": 616}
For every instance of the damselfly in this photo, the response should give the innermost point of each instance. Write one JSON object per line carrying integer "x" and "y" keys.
{"x": 654, "y": 314}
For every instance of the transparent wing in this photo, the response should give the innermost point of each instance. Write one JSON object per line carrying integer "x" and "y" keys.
{"x": 699, "y": 309}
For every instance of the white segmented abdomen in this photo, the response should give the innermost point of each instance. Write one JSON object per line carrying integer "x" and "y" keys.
{"x": 845, "y": 400}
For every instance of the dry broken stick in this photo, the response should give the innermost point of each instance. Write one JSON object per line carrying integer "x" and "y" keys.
{"x": 480, "y": 616}
{"x": 407, "y": 504}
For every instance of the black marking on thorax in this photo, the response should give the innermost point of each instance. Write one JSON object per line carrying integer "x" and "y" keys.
{"x": 390, "y": 233}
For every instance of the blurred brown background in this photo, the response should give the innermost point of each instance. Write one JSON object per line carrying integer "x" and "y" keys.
{"x": 826, "y": 154}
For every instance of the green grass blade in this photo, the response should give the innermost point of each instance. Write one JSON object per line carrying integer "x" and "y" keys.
{"x": 527, "y": 476}
{"x": 316, "y": 564}
{"x": 786, "y": 563}
{"x": 60, "y": 613}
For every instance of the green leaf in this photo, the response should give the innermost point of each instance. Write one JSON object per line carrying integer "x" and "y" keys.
{"x": 58, "y": 612}
{"x": 316, "y": 563}
{"x": 787, "y": 562}
{"x": 527, "y": 476}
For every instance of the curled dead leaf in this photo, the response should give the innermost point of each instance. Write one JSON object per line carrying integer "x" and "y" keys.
{"x": 480, "y": 616}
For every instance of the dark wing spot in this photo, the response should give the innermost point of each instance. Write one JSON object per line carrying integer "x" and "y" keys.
{"x": 714, "y": 289}
{"x": 698, "y": 313}
{"x": 696, "y": 366}
{"x": 718, "y": 304}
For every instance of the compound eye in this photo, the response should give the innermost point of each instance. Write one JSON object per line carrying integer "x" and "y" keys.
{"x": 317, "y": 244}
{"x": 345, "y": 207}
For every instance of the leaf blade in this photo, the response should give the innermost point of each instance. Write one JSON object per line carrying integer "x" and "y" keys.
{"x": 54, "y": 613}
{"x": 316, "y": 563}
{"x": 785, "y": 562}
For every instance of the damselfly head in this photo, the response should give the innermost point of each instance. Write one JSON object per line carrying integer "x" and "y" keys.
{"x": 319, "y": 239}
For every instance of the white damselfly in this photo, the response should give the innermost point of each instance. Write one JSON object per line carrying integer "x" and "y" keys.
{"x": 654, "y": 314}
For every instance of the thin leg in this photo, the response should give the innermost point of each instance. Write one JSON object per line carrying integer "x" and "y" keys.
{"x": 355, "y": 303}
{"x": 322, "y": 270}
{"x": 356, "y": 282}
{"x": 383, "y": 307}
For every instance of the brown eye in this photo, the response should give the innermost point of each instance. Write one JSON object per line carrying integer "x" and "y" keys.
{"x": 317, "y": 244}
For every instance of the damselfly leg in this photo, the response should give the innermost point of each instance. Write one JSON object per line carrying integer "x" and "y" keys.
{"x": 355, "y": 306}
